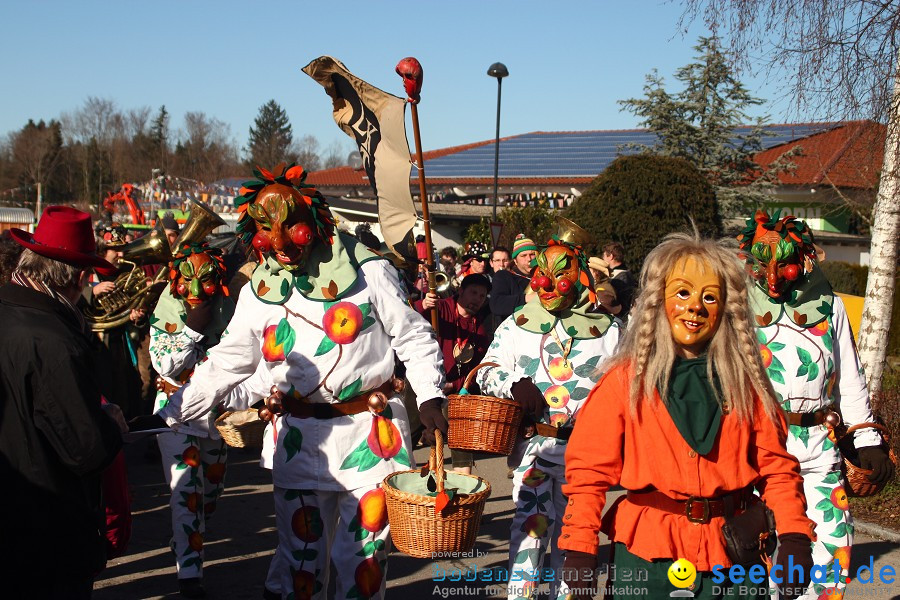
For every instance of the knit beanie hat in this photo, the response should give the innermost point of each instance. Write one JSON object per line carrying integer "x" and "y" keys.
{"x": 522, "y": 243}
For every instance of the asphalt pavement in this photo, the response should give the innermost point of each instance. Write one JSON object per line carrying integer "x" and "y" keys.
{"x": 241, "y": 539}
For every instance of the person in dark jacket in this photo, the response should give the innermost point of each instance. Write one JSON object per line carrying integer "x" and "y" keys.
{"x": 55, "y": 438}
{"x": 510, "y": 287}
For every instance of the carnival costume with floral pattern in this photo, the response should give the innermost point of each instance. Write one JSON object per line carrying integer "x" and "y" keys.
{"x": 808, "y": 350}
{"x": 322, "y": 316}
{"x": 193, "y": 454}
{"x": 559, "y": 350}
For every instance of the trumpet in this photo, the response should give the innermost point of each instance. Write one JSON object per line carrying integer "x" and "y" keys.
{"x": 441, "y": 283}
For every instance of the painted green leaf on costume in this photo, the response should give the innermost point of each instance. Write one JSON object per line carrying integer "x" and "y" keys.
{"x": 804, "y": 356}
{"x": 760, "y": 336}
{"x": 839, "y": 531}
{"x": 775, "y": 375}
{"x": 579, "y": 394}
{"x": 351, "y": 390}
{"x": 402, "y": 457}
{"x": 325, "y": 346}
{"x": 776, "y": 364}
{"x": 827, "y": 444}
{"x": 292, "y": 442}
{"x": 285, "y": 336}
{"x": 285, "y": 286}
{"x": 824, "y": 504}
{"x": 776, "y": 346}
{"x": 827, "y": 341}
{"x": 305, "y": 554}
{"x": 813, "y": 371}
{"x": 362, "y": 458}
{"x": 551, "y": 348}
{"x": 545, "y": 327}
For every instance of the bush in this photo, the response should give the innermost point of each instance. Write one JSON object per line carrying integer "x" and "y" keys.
{"x": 640, "y": 199}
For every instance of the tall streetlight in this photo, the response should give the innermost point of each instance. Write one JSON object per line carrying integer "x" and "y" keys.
{"x": 499, "y": 71}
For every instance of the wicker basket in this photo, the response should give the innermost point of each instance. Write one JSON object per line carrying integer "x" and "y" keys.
{"x": 417, "y": 528}
{"x": 482, "y": 423}
{"x": 858, "y": 484}
{"x": 242, "y": 428}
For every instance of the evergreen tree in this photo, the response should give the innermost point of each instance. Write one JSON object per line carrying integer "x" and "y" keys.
{"x": 639, "y": 199}
{"x": 270, "y": 137}
{"x": 698, "y": 124}
{"x": 159, "y": 139}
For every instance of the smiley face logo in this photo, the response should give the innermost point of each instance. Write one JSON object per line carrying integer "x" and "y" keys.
{"x": 682, "y": 573}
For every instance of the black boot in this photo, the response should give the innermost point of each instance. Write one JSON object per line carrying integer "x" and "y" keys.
{"x": 191, "y": 588}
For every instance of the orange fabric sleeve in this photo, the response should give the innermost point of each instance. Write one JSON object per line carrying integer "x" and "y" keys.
{"x": 593, "y": 463}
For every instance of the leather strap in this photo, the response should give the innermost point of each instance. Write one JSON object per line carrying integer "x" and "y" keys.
{"x": 302, "y": 409}
{"x": 552, "y": 431}
{"x": 808, "y": 419}
{"x": 697, "y": 510}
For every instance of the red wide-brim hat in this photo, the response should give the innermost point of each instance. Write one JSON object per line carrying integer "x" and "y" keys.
{"x": 64, "y": 234}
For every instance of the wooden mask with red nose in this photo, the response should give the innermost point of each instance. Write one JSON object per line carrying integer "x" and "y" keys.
{"x": 778, "y": 252}
{"x": 555, "y": 278}
{"x": 285, "y": 225}
{"x": 196, "y": 275}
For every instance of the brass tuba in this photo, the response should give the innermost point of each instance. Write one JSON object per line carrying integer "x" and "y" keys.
{"x": 570, "y": 233}
{"x": 133, "y": 289}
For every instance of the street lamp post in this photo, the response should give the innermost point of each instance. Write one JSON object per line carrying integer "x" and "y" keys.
{"x": 499, "y": 71}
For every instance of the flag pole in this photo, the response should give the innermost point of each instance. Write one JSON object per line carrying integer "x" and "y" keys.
{"x": 411, "y": 72}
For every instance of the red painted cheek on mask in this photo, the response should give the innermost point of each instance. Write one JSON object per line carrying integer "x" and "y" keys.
{"x": 182, "y": 290}
{"x": 565, "y": 286}
{"x": 301, "y": 235}
{"x": 210, "y": 288}
{"x": 261, "y": 242}
{"x": 791, "y": 272}
{"x": 540, "y": 283}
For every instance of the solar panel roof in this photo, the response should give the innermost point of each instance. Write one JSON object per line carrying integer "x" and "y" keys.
{"x": 575, "y": 154}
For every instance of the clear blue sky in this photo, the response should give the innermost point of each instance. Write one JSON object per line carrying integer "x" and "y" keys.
{"x": 568, "y": 61}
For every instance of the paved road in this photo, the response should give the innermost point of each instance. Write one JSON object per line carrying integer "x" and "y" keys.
{"x": 241, "y": 538}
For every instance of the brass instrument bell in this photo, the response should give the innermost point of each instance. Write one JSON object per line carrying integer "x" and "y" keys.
{"x": 570, "y": 233}
{"x": 200, "y": 224}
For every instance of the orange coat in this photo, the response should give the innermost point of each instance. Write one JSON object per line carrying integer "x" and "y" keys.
{"x": 609, "y": 447}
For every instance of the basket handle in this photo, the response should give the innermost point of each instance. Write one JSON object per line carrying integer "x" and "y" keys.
{"x": 436, "y": 461}
{"x": 881, "y": 429}
{"x": 471, "y": 375}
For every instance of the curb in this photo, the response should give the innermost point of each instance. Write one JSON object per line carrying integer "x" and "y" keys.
{"x": 876, "y": 531}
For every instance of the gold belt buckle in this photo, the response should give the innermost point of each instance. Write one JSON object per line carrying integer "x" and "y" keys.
{"x": 688, "y": 509}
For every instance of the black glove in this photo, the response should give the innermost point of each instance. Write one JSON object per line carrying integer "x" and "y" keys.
{"x": 875, "y": 459}
{"x": 432, "y": 417}
{"x": 199, "y": 316}
{"x": 145, "y": 422}
{"x": 575, "y": 571}
{"x": 530, "y": 397}
{"x": 799, "y": 547}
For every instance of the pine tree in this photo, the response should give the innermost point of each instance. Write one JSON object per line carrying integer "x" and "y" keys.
{"x": 159, "y": 138}
{"x": 270, "y": 137}
{"x": 698, "y": 124}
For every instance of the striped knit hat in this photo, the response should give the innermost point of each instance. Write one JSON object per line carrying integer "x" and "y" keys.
{"x": 522, "y": 243}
